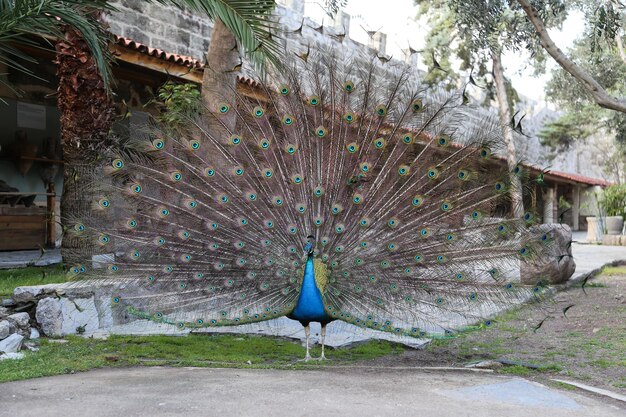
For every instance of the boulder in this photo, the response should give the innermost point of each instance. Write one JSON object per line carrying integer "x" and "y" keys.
{"x": 35, "y": 292}
{"x": 63, "y": 316}
{"x": 11, "y": 344}
{"x": 553, "y": 263}
{"x": 5, "y": 329}
{"x": 34, "y": 334}
{"x": 49, "y": 317}
{"x": 4, "y": 313}
{"x": 21, "y": 320}
{"x": 13, "y": 355}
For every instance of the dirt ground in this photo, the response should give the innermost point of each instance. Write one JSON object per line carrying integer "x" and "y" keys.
{"x": 586, "y": 344}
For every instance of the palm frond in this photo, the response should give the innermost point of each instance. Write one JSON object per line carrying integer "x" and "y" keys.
{"x": 20, "y": 19}
{"x": 252, "y": 23}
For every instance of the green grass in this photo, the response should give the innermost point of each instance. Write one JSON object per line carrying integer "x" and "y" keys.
{"x": 239, "y": 351}
{"x": 32, "y": 275}
{"x": 614, "y": 270}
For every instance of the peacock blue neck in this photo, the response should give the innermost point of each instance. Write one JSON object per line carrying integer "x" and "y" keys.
{"x": 310, "y": 306}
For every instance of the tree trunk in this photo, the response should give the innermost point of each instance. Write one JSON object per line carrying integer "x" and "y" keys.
{"x": 219, "y": 81}
{"x": 597, "y": 92}
{"x": 504, "y": 111}
{"x": 87, "y": 114}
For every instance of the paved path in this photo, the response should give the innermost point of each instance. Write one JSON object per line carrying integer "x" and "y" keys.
{"x": 157, "y": 392}
{"x": 22, "y": 258}
{"x": 589, "y": 256}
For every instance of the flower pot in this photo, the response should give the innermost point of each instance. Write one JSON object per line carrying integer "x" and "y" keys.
{"x": 614, "y": 225}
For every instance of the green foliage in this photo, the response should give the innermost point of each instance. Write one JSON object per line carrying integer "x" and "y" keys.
{"x": 13, "y": 278}
{"x": 240, "y": 351}
{"x": 179, "y": 103}
{"x": 562, "y": 132}
{"x": 250, "y": 22}
{"x": 46, "y": 18}
{"x": 613, "y": 200}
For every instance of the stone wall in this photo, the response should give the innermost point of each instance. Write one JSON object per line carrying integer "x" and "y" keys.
{"x": 182, "y": 32}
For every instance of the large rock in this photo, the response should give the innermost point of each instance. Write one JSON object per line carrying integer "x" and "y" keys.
{"x": 5, "y": 329}
{"x": 49, "y": 317}
{"x": 554, "y": 263}
{"x": 4, "y": 313}
{"x": 63, "y": 316}
{"x": 11, "y": 344}
{"x": 21, "y": 320}
{"x": 35, "y": 292}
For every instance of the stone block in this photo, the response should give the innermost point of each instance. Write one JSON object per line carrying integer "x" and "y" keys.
{"x": 5, "y": 329}
{"x": 48, "y": 315}
{"x": 554, "y": 264}
{"x": 20, "y": 320}
{"x": 66, "y": 316}
{"x": 11, "y": 344}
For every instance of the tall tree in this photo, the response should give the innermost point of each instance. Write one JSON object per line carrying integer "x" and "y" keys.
{"x": 476, "y": 33}
{"x": 606, "y": 22}
{"x": 582, "y": 119}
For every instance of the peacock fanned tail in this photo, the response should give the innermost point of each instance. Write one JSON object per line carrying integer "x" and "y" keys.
{"x": 397, "y": 185}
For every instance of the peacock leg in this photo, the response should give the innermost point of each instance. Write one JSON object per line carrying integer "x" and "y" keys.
{"x": 323, "y": 333}
{"x": 307, "y": 333}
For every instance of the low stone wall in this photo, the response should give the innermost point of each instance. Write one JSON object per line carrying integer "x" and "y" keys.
{"x": 614, "y": 240}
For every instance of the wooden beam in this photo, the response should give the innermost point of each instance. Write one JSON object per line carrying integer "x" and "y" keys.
{"x": 157, "y": 64}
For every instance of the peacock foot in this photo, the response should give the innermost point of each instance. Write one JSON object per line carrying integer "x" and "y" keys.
{"x": 321, "y": 358}
{"x": 306, "y": 358}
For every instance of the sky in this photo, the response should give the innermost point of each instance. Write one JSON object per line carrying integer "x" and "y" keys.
{"x": 396, "y": 18}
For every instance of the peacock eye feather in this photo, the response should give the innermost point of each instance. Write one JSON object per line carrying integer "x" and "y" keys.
{"x": 407, "y": 139}
{"x": 443, "y": 141}
{"x": 349, "y": 117}
{"x": 284, "y": 90}
{"x": 417, "y": 201}
{"x": 264, "y": 144}
{"x": 314, "y": 100}
{"x": 158, "y": 144}
{"x": 320, "y": 131}
{"x": 404, "y": 170}
{"x": 352, "y": 147}
{"x": 234, "y": 140}
{"x": 379, "y": 143}
{"x": 381, "y": 110}
{"x": 348, "y": 86}
{"x": 288, "y": 120}
{"x": 433, "y": 173}
{"x": 258, "y": 111}
{"x": 417, "y": 105}
{"x": 223, "y": 108}
{"x": 117, "y": 164}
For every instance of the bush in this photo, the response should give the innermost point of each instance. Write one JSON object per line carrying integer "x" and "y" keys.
{"x": 613, "y": 200}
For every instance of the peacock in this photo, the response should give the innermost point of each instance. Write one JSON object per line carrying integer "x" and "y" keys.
{"x": 336, "y": 189}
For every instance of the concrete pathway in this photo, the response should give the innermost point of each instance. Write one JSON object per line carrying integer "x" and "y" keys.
{"x": 158, "y": 392}
{"x": 589, "y": 257}
{"x": 22, "y": 258}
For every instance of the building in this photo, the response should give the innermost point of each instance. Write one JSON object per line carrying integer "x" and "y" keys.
{"x": 154, "y": 44}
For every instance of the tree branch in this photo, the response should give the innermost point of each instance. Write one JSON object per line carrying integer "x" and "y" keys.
{"x": 599, "y": 94}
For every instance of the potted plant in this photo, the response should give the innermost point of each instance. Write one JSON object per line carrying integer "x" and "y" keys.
{"x": 613, "y": 202}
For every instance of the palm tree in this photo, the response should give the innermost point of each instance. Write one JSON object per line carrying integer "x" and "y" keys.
{"x": 83, "y": 61}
